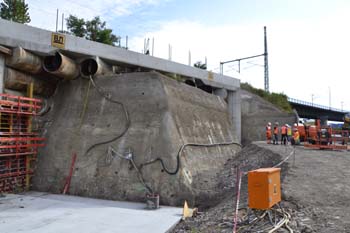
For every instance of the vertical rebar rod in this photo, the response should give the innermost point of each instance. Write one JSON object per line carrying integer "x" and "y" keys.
{"x": 62, "y": 22}
{"x": 57, "y": 20}
{"x": 266, "y": 64}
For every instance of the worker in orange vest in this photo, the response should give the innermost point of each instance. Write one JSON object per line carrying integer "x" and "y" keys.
{"x": 296, "y": 137}
{"x": 295, "y": 126}
{"x": 284, "y": 134}
{"x": 268, "y": 133}
{"x": 275, "y": 134}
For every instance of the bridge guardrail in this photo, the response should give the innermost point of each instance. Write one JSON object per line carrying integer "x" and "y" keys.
{"x": 296, "y": 101}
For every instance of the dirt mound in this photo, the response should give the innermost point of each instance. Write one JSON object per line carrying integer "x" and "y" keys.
{"x": 216, "y": 217}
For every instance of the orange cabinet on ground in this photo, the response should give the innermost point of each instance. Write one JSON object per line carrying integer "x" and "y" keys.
{"x": 264, "y": 188}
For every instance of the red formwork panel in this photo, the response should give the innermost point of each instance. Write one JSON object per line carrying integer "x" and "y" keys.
{"x": 13, "y": 173}
{"x": 19, "y": 142}
{"x": 19, "y": 104}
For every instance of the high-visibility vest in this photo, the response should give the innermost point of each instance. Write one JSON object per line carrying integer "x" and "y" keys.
{"x": 289, "y": 131}
{"x": 275, "y": 130}
{"x": 284, "y": 130}
{"x": 296, "y": 136}
{"x": 268, "y": 130}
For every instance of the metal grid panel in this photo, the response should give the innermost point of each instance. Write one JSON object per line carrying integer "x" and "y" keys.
{"x": 19, "y": 142}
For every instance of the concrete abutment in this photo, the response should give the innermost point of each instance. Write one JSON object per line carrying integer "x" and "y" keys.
{"x": 165, "y": 114}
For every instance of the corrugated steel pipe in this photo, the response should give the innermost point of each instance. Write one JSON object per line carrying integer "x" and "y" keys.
{"x": 94, "y": 66}
{"x": 61, "y": 66}
{"x": 24, "y": 61}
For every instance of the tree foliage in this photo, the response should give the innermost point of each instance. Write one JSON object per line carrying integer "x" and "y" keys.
{"x": 76, "y": 26}
{"x": 278, "y": 99}
{"x": 15, "y": 10}
{"x": 94, "y": 30}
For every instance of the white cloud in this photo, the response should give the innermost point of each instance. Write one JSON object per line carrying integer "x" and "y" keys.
{"x": 305, "y": 57}
{"x": 43, "y": 13}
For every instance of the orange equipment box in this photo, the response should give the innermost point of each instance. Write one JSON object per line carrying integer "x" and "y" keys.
{"x": 264, "y": 188}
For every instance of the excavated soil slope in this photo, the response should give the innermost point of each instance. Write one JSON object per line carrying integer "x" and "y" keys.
{"x": 251, "y": 157}
{"x": 315, "y": 188}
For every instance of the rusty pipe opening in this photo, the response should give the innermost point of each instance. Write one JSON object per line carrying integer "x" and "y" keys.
{"x": 89, "y": 67}
{"x": 52, "y": 63}
{"x": 61, "y": 66}
{"x": 95, "y": 66}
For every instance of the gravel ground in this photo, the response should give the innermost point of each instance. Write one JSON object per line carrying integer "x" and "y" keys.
{"x": 315, "y": 189}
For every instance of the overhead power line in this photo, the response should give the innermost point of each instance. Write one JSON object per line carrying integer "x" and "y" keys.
{"x": 266, "y": 66}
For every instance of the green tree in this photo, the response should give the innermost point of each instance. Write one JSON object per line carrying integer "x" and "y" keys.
{"x": 76, "y": 26}
{"x": 94, "y": 30}
{"x": 15, "y": 10}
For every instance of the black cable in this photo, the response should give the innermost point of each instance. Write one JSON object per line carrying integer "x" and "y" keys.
{"x": 128, "y": 122}
{"x": 180, "y": 151}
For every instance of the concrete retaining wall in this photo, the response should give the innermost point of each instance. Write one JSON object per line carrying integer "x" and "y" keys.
{"x": 165, "y": 114}
{"x": 256, "y": 113}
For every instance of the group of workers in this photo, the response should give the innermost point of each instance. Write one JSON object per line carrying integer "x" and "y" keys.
{"x": 288, "y": 134}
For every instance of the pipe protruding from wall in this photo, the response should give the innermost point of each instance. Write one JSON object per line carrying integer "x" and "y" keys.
{"x": 23, "y": 60}
{"x": 61, "y": 66}
{"x": 16, "y": 80}
{"x": 95, "y": 66}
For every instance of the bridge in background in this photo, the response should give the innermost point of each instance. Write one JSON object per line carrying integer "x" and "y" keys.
{"x": 313, "y": 111}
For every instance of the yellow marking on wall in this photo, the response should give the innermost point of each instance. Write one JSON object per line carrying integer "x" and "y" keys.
{"x": 58, "y": 40}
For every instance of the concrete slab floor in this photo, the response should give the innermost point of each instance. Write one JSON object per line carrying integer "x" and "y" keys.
{"x": 45, "y": 213}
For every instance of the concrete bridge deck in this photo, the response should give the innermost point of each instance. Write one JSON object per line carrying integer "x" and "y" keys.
{"x": 39, "y": 41}
{"x": 42, "y": 42}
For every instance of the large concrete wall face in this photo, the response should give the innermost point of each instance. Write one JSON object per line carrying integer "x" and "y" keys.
{"x": 256, "y": 113}
{"x": 164, "y": 113}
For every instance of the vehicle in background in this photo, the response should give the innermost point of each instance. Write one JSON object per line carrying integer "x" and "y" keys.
{"x": 322, "y": 136}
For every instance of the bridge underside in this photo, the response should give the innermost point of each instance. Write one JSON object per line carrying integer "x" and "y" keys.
{"x": 312, "y": 112}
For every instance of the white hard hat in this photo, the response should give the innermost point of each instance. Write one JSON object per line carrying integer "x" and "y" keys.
{"x": 295, "y": 124}
{"x": 269, "y": 123}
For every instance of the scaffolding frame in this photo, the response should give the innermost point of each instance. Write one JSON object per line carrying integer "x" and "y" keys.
{"x": 19, "y": 143}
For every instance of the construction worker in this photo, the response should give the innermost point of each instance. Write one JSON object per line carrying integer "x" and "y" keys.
{"x": 268, "y": 133}
{"x": 284, "y": 134}
{"x": 275, "y": 133}
{"x": 289, "y": 133}
{"x": 296, "y": 137}
{"x": 295, "y": 126}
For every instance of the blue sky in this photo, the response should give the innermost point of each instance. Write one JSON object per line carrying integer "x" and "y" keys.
{"x": 308, "y": 40}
